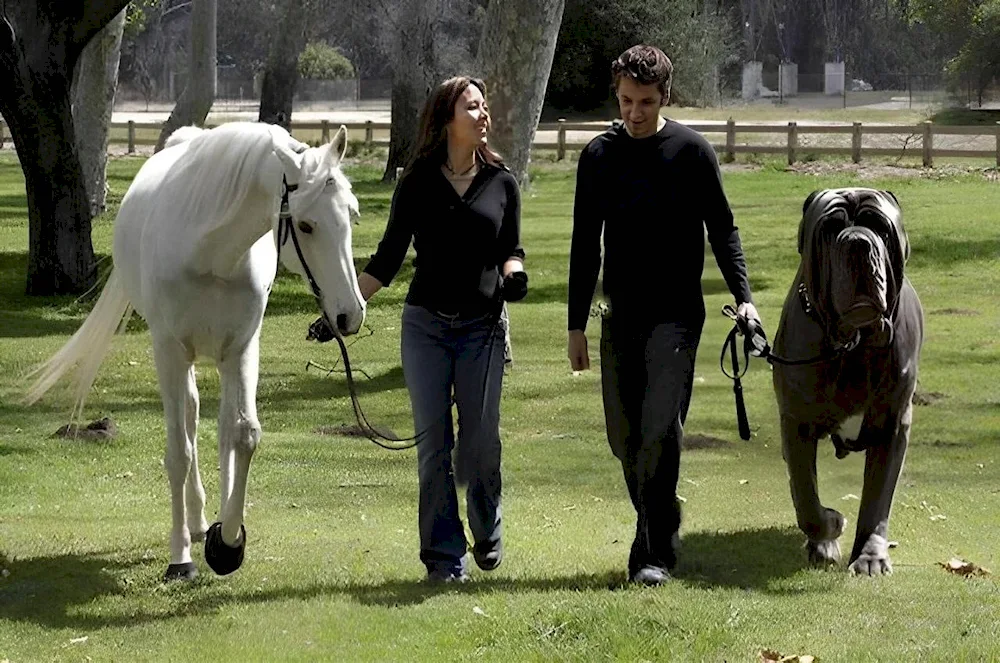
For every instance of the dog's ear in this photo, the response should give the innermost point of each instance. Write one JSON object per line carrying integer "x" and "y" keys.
{"x": 893, "y": 196}
{"x": 811, "y": 197}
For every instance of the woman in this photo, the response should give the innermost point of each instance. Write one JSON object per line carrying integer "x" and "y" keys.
{"x": 461, "y": 207}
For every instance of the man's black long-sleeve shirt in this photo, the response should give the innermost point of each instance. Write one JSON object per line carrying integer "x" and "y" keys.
{"x": 653, "y": 198}
{"x": 461, "y": 242}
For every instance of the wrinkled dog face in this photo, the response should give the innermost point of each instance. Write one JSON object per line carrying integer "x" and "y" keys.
{"x": 853, "y": 249}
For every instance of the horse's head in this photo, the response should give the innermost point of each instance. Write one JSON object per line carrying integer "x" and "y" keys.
{"x": 321, "y": 208}
{"x": 853, "y": 248}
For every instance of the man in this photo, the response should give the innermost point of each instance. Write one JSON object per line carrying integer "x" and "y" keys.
{"x": 652, "y": 186}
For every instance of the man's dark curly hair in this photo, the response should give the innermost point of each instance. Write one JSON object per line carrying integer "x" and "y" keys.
{"x": 646, "y": 65}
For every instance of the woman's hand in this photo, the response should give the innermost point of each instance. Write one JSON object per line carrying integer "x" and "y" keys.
{"x": 368, "y": 285}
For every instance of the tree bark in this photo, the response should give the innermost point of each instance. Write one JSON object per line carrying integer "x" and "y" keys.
{"x": 515, "y": 58}
{"x": 93, "y": 103}
{"x": 416, "y": 71}
{"x": 199, "y": 93}
{"x": 281, "y": 74}
{"x": 40, "y": 44}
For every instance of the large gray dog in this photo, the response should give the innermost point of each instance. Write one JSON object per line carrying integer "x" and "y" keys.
{"x": 845, "y": 364}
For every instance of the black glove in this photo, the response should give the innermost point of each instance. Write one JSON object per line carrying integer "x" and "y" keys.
{"x": 514, "y": 287}
{"x": 320, "y": 331}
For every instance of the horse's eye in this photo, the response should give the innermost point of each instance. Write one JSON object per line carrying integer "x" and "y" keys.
{"x": 305, "y": 227}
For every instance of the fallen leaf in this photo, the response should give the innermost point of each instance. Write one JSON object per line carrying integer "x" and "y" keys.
{"x": 963, "y": 568}
{"x": 980, "y": 465}
{"x": 479, "y": 611}
{"x": 939, "y": 516}
{"x": 744, "y": 482}
{"x": 682, "y": 499}
{"x": 79, "y": 641}
{"x": 850, "y": 496}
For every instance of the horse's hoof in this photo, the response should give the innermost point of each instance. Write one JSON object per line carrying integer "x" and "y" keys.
{"x": 185, "y": 571}
{"x": 222, "y": 558}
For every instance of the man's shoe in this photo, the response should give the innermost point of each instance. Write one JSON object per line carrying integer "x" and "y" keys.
{"x": 442, "y": 576}
{"x": 488, "y": 555}
{"x": 651, "y": 576}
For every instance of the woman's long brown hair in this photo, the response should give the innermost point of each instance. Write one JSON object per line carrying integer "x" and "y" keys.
{"x": 432, "y": 138}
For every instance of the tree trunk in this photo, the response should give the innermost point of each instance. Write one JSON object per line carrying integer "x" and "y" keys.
{"x": 93, "y": 103}
{"x": 199, "y": 93}
{"x": 416, "y": 71}
{"x": 38, "y": 53}
{"x": 407, "y": 103}
{"x": 515, "y": 56}
{"x": 282, "y": 72}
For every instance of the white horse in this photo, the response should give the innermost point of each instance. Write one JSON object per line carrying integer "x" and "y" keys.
{"x": 193, "y": 256}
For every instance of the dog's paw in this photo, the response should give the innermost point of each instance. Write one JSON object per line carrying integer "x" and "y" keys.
{"x": 874, "y": 558}
{"x": 823, "y": 552}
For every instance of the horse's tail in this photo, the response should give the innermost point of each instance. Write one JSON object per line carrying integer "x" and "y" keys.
{"x": 87, "y": 348}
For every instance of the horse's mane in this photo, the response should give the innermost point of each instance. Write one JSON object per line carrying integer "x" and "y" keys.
{"x": 211, "y": 181}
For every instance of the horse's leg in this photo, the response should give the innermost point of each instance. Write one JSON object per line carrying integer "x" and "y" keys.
{"x": 194, "y": 494}
{"x": 239, "y": 433}
{"x": 821, "y": 525}
{"x": 173, "y": 368}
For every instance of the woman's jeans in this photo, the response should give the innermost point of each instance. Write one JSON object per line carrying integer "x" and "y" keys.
{"x": 443, "y": 355}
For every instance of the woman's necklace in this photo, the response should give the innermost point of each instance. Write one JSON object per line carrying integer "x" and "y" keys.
{"x": 464, "y": 173}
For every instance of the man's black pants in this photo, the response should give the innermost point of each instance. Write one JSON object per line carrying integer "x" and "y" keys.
{"x": 647, "y": 372}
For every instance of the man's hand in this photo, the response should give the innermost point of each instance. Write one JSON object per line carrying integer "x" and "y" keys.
{"x": 579, "y": 360}
{"x": 747, "y": 313}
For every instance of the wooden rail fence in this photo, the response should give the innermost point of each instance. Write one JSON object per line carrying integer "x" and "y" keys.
{"x": 376, "y": 135}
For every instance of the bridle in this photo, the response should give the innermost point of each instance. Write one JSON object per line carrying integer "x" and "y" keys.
{"x": 286, "y": 230}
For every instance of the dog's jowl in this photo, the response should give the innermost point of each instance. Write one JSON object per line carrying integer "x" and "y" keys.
{"x": 856, "y": 322}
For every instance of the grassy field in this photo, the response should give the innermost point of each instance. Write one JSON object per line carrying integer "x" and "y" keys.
{"x": 332, "y": 570}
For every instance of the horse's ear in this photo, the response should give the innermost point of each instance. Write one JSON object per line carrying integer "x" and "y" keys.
{"x": 338, "y": 145}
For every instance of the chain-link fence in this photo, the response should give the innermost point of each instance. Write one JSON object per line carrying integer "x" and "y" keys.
{"x": 837, "y": 88}
{"x": 236, "y": 92}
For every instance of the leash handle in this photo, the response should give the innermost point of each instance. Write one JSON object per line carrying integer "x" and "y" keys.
{"x": 741, "y": 408}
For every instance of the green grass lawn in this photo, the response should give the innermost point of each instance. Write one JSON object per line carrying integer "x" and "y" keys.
{"x": 332, "y": 571}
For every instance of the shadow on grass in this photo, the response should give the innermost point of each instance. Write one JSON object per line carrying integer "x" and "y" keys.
{"x": 50, "y": 591}
{"x": 46, "y": 590}
{"x": 23, "y": 316}
{"x": 745, "y": 559}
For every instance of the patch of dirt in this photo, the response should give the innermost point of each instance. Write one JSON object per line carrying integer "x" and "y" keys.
{"x": 927, "y": 397}
{"x": 874, "y": 171}
{"x": 347, "y": 430}
{"x": 739, "y": 167}
{"x": 102, "y": 429}
{"x": 955, "y": 311}
{"x": 352, "y": 430}
{"x": 698, "y": 441}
